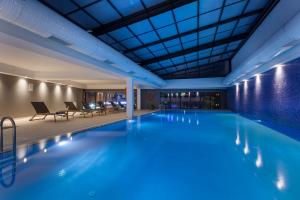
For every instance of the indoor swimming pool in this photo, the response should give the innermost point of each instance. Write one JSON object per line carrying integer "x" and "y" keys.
{"x": 164, "y": 155}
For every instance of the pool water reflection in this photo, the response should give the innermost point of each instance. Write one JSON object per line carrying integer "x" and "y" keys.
{"x": 165, "y": 155}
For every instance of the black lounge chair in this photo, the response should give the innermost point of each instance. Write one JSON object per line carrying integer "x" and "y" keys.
{"x": 42, "y": 110}
{"x": 93, "y": 110}
{"x": 114, "y": 106}
{"x": 72, "y": 110}
{"x": 102, "y": 107}
{"x": 121, "y": 106}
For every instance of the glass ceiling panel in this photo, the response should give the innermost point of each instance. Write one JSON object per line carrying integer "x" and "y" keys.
{"x": 241, "y": 29}
{"x": 233, "y": 10}
{"x": 130, "y": 43}
{"x": 167, "y": 31}
{"x": 209, "y": 18}
{"x": 186, "y": 11}
{"x": 227, "y": 26}
{"x": 121, "y": 34}
{"x": 205, "y": 40}
{"x": 247, "y": 20}
{"x": 173, "y": 28}
{"x": 141, "y": 27}
{"x": 228, "y": 2}
{"x": 103, "y": 12}
{"x": 106, "y": 39}
{"x": 150, "y": 3}
{"x": 256, "y": 4}
{"x": 62, "y": 6}
{"x": 174, "y": 49}
{"x": 187, "y": 25}
{"x": 83, "y": 2}
{"x": 83, "y": 20}
{"x": 190, "y": 44}
{"x": 162, "y": 20}
{"x": 127, "y": 7}
{"x": 171, "y": 43}
{"x": 223, "y": 35}
{"x": 189, "y": 37}
{"x": 206, "y": 6}
{"x": 148, "y": 37}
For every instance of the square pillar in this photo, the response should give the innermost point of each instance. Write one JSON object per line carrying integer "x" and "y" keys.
{"x": 138, "y": 99}
{"x": 129, "y": 98}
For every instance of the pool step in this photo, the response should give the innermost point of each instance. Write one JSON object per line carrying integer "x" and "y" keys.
{"x": 7, "y": 170}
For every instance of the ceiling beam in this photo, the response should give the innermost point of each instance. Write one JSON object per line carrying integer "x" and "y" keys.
{"x": 196, "y": 48}
{"x": 248, "y": 14}
{"x": 200, "y": 68}
{"x": 195, "y": 60}
{"x": 139, "y": 16}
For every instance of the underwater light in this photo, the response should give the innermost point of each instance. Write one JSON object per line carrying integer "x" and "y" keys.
{"x": 258, "y": 161}
{"x": 62, "y": 143}
{"x": 237, "y": 140}
{"x": 280, "y": 184}
{"x": 246, "y": 148}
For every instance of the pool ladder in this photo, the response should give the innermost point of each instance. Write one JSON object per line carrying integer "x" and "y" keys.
{"x": 8, "y": 158}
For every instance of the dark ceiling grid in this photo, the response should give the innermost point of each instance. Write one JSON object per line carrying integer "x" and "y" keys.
{"x": 117, "y": 10}
{"x": 251, "y": 13}
{"x": 193, "y": 68}
{"x": 196, "y": 48}
{"x": 217, "y": 28}
{"x": 237, "y": 22}
{"x": 82, "y": 7}
{"x": 217, "y": 24}
{"x": 198, "y": 21}
{"x": 87, "y": 13}
{"x": 203, "y": 67}
{"x": 140, "y": 15}
{"x": 170, "y": 66}
{"x": 177, "y": 30}
{"x": 62, "y": 14}
{"x": 155, "y": 31}
{"x": 266, "y": 10}
{"x": 191, "y": 61}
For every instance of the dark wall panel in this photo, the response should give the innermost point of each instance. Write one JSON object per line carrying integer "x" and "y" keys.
{"x": 273, "y": 98}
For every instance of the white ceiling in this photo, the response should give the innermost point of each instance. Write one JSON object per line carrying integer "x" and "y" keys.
{"x": 19, "y": 57}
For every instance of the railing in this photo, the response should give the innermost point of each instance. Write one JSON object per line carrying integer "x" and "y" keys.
{"x": 14, "y": 133}
{"x": 8, "y": 159}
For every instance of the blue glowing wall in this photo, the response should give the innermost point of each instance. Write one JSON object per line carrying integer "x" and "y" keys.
{"x": 273, "y": 97}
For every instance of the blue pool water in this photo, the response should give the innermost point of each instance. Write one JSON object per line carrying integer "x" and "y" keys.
{"x": 172, "y": 155}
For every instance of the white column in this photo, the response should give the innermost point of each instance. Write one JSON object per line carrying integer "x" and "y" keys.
{"x": 138, "y": 99}
{"x": 129, "y": 98}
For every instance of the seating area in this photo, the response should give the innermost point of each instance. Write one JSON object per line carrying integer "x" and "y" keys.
{"x": 71, "y": 110}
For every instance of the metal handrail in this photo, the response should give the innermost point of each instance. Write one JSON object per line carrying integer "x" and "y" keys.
{"x": 4, "y": 182}
{"x": 14, "y": 138}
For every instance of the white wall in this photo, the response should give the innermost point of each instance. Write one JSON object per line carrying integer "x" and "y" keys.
{"x": 16, "y": 95}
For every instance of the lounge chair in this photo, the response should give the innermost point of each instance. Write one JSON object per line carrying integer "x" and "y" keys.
{"x": 102, "y": 107}
{"x": 93, "y": 110}
{"x": 42, "y": 110}
{"x": 114, "y": 106}
{"x": 72, "y": 110}
{"x": 121, "y": 106}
